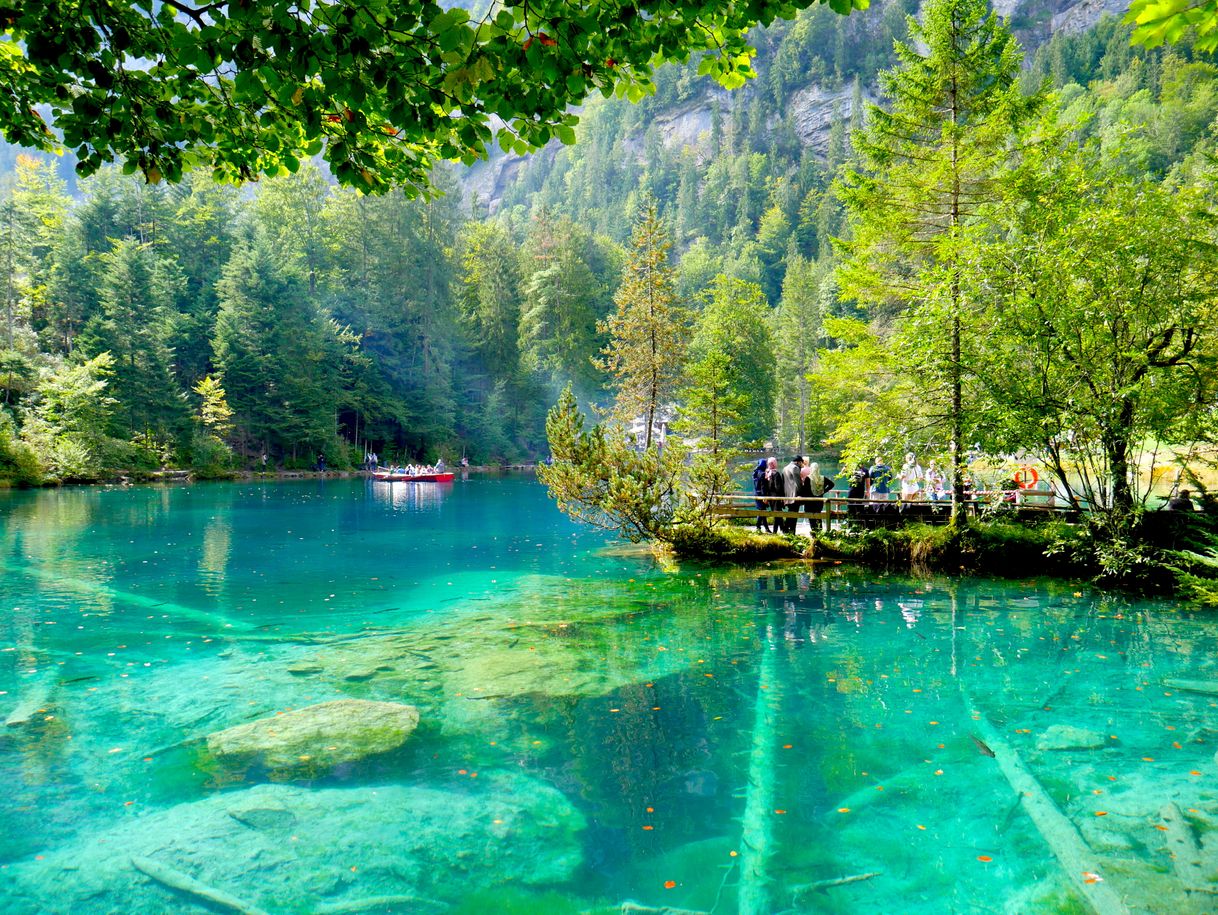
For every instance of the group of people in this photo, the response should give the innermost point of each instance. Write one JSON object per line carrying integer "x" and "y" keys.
{"x": 414, "y": 470}
{"x": 912, "y": 483}
{"x": 797, "y": 487}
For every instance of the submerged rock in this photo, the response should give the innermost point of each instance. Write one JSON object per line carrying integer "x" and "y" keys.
{"x": 1068, "y": 737}
{"x": 317, "y": 738}
{"x": 285, "y": 848}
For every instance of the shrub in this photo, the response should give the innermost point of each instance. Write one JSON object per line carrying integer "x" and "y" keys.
{"x": 18, "y": 462}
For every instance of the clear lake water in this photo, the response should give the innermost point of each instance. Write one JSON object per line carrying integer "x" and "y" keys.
{"x": 596, "y": 727}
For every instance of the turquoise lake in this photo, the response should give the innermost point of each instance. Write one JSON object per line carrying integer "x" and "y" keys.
{"x": 595, "y": 728}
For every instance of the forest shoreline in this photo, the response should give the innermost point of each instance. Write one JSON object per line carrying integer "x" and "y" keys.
{"x": 203, "y": 475}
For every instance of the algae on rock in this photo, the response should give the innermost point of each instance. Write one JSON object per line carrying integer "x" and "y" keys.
{"x": 317, "y": 738}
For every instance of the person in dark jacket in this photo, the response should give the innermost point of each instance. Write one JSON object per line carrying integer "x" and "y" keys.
{"x": 759, "y": 490}
{"x": 860, "y": 488}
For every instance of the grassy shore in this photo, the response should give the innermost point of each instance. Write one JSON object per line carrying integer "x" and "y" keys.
{"x": 1161, "y": 553}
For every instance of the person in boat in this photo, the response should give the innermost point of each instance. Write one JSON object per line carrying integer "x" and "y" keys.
{"x": 440, "y": 465}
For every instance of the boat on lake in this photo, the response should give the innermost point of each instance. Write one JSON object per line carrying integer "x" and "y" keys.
{"x": 384, "y": 476}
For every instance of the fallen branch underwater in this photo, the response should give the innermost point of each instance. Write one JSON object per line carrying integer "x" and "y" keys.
{"x": 378, "y": 903}
{"x": 634, "y": 908}
{"x": 184, "y": 883}
{"x": 1073, "y": 855}
{"x": 799, "y": 892}
{"x": 34, "y": 700}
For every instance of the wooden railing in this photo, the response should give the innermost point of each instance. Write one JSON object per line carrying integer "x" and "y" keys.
{"x": 830, "y": 507}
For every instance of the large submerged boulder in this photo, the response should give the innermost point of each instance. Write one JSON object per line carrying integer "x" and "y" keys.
{"x": 285, "y": 848}
{"x": 1069, "y": 737}
{"x": 316, "y": 738}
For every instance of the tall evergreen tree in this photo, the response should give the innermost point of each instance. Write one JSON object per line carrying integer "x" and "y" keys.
{"x": 728, "y": 398}
{"x": 647, "y": 331}
{"x": 928, "y": 160}
{"x": 276, "y": 354}
{"x": 135, "y": 292}
{"x": 797, "y": 335}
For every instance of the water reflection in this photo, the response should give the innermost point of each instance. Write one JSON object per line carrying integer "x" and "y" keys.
{"x": 213, "y": 560}
{"x": 414, "y": 497}
{"x": 742, "y": 736}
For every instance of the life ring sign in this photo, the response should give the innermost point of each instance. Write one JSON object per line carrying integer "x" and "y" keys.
{"x": 1027, "y": 477}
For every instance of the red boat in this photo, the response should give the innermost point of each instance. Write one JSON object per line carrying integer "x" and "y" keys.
{"x": 386, "y": 477}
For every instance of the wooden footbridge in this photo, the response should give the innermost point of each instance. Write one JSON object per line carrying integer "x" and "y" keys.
{"x": 824, "y": 511}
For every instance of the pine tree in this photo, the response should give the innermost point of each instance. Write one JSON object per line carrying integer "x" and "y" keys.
{"x": 797, "y": 336}
{"x": 928, "y": 161}
{"x": 214, "y": 411}
{"x": 277, "y": 355}
{"x": 135, "y": 289}
{"x": 646, "y": 332}
{"x": 728, "y": 398}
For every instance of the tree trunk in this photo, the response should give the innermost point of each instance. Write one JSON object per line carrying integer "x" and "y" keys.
{"x": 957, "y": 433}
{"x": 1116, "y": 450}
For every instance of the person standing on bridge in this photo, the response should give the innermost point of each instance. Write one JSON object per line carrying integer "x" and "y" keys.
{"x": 790, "y": 489}
{"x": 759, "y": 490}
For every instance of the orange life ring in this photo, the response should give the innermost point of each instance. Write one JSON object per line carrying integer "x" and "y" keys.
{"x": 1026, "y": 477}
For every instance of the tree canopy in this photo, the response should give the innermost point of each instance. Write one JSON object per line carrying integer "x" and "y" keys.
{"x": 381, "y": 89}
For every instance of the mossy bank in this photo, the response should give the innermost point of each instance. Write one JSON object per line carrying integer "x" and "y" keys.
{"x": 1157, "y": 553}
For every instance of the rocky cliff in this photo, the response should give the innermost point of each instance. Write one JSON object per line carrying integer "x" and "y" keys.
{"x": 811, "y": 109}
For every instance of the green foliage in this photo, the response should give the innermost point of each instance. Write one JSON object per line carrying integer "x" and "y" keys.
{"x": 808, "y": 294}
{"x": 18, "y": 462}
{"x": 275, "y": 355}
{"x": 647, "y": 331}
{"x": 728, "y": 397}
{"x": 566, "y": 293}
{"x": 928, "y": 160}
{"x": 1159, "y": 21}
{"x": 71, "y": 408}
{"x": 598, "y": 477}
{"x": 214, "y": 411}
{"x": 1101, "y": 331}
{"x": 210, "y": 456}
{"x": 380, "y": 92}
{"x": 1001, "y": 548}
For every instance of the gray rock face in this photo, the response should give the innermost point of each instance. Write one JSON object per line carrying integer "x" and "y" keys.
{"x": 813, "y": 111}
{"x": 1068, "y": 737}
{"x": 1086, "y": 13}
{"x": 283, "y": 848}
{"x": 317, "y": 738}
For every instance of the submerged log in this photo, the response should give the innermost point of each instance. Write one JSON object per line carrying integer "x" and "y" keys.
{"x": 634, "y": 908}
{"x": 801, "y": 892}
{"x": 33, "y": 701}
{"x": 1185, "y": 854}
{"x": 380, "y": 904}
{"x": 1204, "y": 687}
{"x": 1079, "y": 863}
{"x": 754, "y": 896}
{"x": 184, "y": 883}
{"x": 217, "y": 623}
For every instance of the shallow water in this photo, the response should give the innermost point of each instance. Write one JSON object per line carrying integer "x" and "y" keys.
{"x": 594, "y": 728}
